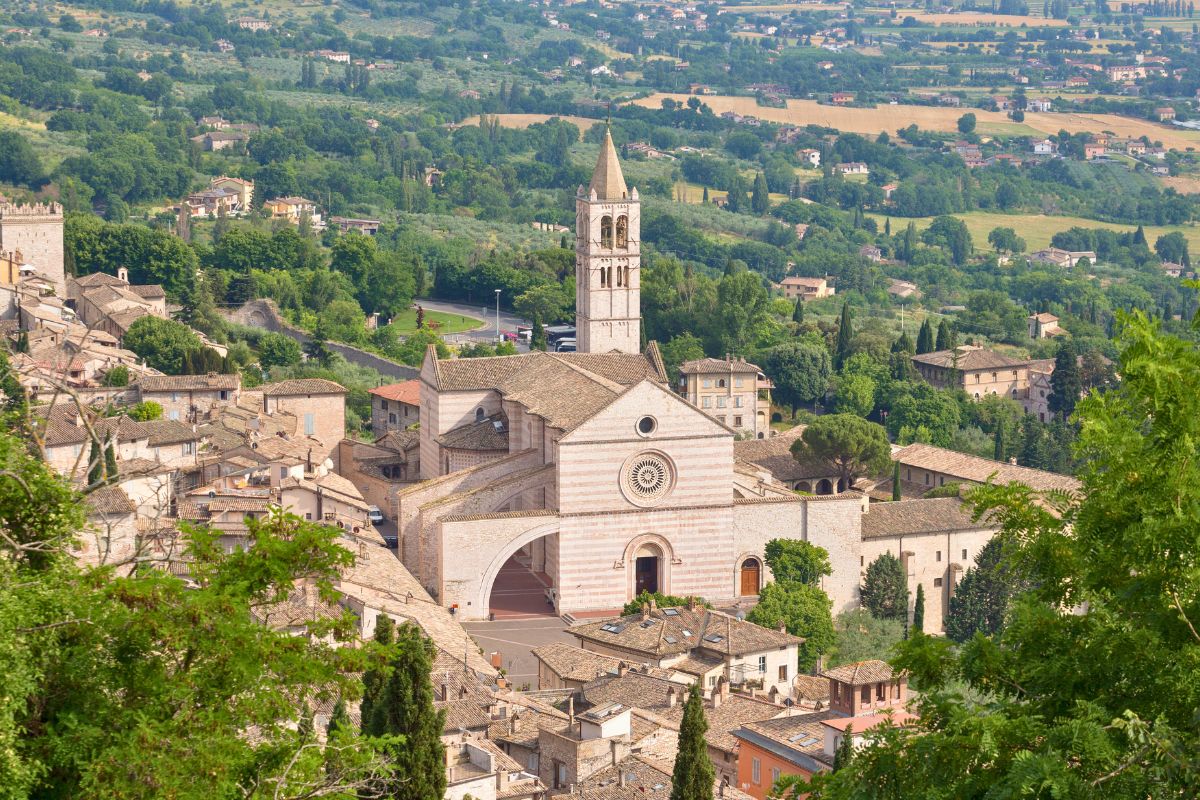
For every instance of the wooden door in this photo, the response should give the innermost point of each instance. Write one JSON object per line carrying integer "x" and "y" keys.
{"x": 749, "y": 577}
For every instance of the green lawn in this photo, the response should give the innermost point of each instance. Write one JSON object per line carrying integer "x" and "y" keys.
{"x": 439, "y": 322}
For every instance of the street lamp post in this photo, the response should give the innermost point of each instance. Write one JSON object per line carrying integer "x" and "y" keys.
{"x": 497, "y": 316}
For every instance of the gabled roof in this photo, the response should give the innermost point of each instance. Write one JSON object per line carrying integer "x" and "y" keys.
{"x": 706, "y": 366}
{"x": 860, "y": 672}
{"x": 907, "y": 517}
{"x": 969, "y": 358}
{"x": 607, "y": 181}
{"x": 671, "y": 631}
{"x": 979, "y": 470}
{"x": 298, "y": 386}
{"x": 575, "y": 663}
{"x": 188, "y": 383}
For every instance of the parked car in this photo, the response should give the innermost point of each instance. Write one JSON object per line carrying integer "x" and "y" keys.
{"x": 565, "y": 346}
{"x": 374, "y": 515}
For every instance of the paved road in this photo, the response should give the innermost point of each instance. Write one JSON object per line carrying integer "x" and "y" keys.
{"x": 514, "y": 639}
{"x": 487, "y": 332}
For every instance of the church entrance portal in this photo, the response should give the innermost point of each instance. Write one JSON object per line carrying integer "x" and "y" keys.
{"x": 646, "y": 574}
{"x": 749, "y": 576}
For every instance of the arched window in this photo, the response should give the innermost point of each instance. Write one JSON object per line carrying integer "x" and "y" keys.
{"x": 603, "y": 278}
{"x": 479, "y": 414}
{"x": 608, "y": 277}
{"x": 626, "y": 271}
{"x": 620, "y": 275}
{"x": 606, "y": 232}
{"x": 720, "y": 383}
{"x": 622, "y": 231}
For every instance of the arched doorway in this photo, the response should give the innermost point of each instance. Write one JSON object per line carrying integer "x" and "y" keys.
{"x": 521, "y": 582}
{"x": 824, "y": 486}
{"x": 749, "y": 577}
{"x": 647, "y": 569}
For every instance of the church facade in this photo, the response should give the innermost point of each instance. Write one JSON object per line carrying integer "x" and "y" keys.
{"x": 590, "y": 468}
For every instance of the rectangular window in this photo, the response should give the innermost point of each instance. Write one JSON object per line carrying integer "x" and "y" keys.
{"x": 308, "y": 515}
{"x": 392, "y": 419}
{"x": 706, "y": 383}
{"x": 880, "y": 691}
{"x": 783, "y": 672}
{"x": 712, "y": 680}
{"x": 865, "y": 694}
{"x": 189, "y": 448}
{"x": 755, "y": 771}
{"x": 774, "y": 775}
{"x": 737, "y": 382}
{"x": 833, "y": 690}
{"x": 174, "y": 397}
{"x": 939, "y": 556}
{"x": 706, "y": 402}
{"x": 937, "y": 582}
{"x": 737, "y": 422}
{"x": 223, "y": 394}
{"x": 964, "y": 554}
{"x": 282, "y": 473}
{"x": 173, "y": 415}
{"x": 310, "y": 424}
{"x": 721, "y": 402}
{"x": 383, "y": 405}
{"x": 737, "y": 402}
{"x": 762, "y": 665}
{"x": 927, "y": 479}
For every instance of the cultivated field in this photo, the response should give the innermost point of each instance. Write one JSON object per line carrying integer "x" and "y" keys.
{"x": 1037, "y": 229}
{"x": 525, "y": 120}
{"x": 892, "y": 118}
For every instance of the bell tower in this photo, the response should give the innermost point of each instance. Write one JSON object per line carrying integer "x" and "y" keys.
{"x": 607, "y": 260}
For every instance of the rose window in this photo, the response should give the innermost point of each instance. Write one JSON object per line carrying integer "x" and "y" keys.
{"x": 649, "y": 477}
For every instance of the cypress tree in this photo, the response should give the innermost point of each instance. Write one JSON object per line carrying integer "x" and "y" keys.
{"x": 925, "y": 343}
{"x": 1065, "y": 383}
{"x": 374, "y": 677}
{"x": 95, "y": 464}
{"x": 845, "y": 335}
{"x": 945, "y": 336}
{"x": 887, "y": 226}
{"x": 798, "y": 312}
{"x": 537, "y": 336}
{"x": 1139, "y": 236}
{"x": 110, "y": 463}
{"x": 760, "y": 199}
{"x": 405, "y": 708}
{"x": 998, "y": 449}
{"x": 903, "y": 344}
{"x": 339, "y": 720}
{"x": 845, "y": 750}
{"x": 918, "y": 623}
{"x": 694, "y": 774}
{"x": 704, "y": 199}
{"x": 896, "y": 481}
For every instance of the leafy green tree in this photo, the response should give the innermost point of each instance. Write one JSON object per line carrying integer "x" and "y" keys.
{"x": 884, "y": 590}
{"x": 1006, "y": 240}
{"x": 537, "y": 336}
{"x": 1173, "y": 247}
{"x": 546, "y": 301}
{"x": 922, "y": 407}
{"x": 19, "y": 162}
{"x": 743, "y": 307}
{"x": 682, "y": 348}
{"x": 694, "y": 774}
{"x": 800, "y": 372}
{"x": 950, "y": 233}
{"x": 1065, "y": 383}
{"x": 925, "y": 342}
{"x": 163, "y": 343}
{"x": 805, "y": 611}
{"x": 918, "y": 623}
{"x": 966, "y": 123}
{"x": 851, "y": 445}
{"x": 145, "y": 411}
{"x": 855, "y": 395}
{"x": 981, "y": 599}
{"x": 117, "y": 376}
{"x": 861, "y": 636}
{"x": 278, "y": 350}
{"x": 1060, "y": 708}
{"x": 797, "y": 561}
{"x": 843, "y": 757}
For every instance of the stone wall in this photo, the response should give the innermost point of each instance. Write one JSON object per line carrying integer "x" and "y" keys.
{"x": 477, "y": 547}
{"x": 263, "y": 313}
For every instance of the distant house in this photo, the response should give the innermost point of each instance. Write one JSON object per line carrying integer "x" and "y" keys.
{"x": 252, "y": 24}
{"x": 1091, "y": 151}
{"x": 243, "y": 188}
{"x": 213, "y": 202}
{"x": 889, "y": 189}
{"x": 852, "y": 168}
{"x": 951, "y": 100}
{"x": 1066, "y": 259}
{"x": 293, "y": 209}
{"x": 1164, "y": 113}
{"x": 805, "y": 288}
{"x": 337, "y": 56}
{"x": 367, "y": 227}
{"x": 1135, "y": 148}
{"x": 220, "y": 140}
{"x": 1043, "y": 326}
{"x": 1039, "y": 104}
{"x": 217, "y": 123}
{"x": 96, "y": 33}
{"x": 903, "y": 290}
{"x": 395, "y": 407}
{"x": 224, "y": 45}
{"x": 810, "y": 155}
{"x": 871, "y": 253}
{"x": 1123, "y": 72}
{"x": 841, "y": 98}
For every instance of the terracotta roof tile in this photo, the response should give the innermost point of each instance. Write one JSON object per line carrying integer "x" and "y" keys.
{"x": 969, "y": 358}
{"x": 904, "y": 517}
{"x": 979, "y": 470}
{"x": 860, "y": 672}
{"x": 707, "y": 366}
{"x": 186, "y": 383}
{"x": 405, "y": 392}
{"x": 574, "y": 663}
{"x": 302, "y": 386}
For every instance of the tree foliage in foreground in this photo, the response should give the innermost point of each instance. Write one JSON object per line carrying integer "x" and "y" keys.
{"x": 1090, "y": 689}
{"x": 145, "y": 685}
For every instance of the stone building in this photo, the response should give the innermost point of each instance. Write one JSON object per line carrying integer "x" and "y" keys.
{"x": 189, "y": 398}
{"x": 318, "y": 404}
{"x": 395, "y": 407}
{"x": 585, "y": 467}
{"x": 975, "y": 370}
{"x": 732, "y": 391}
{"x": 36, "y": 231}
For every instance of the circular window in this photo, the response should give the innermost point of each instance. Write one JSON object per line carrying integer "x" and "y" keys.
{"x": 646, "y": 425}
{"x": 648, "y": 478}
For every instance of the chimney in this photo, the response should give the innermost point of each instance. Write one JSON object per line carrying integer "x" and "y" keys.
{"x": 723, "y": 687}
{"x": 716, "y": 699}
{"x": 622, "y": 669}
{"x": 123, "y": 274}
{"x": 621, "y": 778}
{"x": 653, "y": 605}
{"x": 671, "y": 698}
{"x": 571, "y": 710}
{"x": 645, "y": 611}
{"x": 781, "y": 626}
{"x": 691, "y": 602}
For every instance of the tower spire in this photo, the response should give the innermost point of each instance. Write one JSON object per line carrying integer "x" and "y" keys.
{"x": 607, "y": 180}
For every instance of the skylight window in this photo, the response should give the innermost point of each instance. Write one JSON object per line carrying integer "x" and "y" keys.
{"x": 714, "y": 638}
{"x": 686, "y": 632}
{"x": 671, "y": 612}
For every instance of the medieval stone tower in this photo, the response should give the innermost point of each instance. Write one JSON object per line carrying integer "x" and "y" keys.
{"x": 607, "y": 260}
{"x": 37, "y": 232}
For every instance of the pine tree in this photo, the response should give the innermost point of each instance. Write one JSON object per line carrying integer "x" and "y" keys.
{"x": 945, "y": 336}
{"x": 845, "y": 336}
{"x": 405, "y": 708}
{"x": 374, "y": 677}
{"x": 896, "y": 481}
{"x": 798, "y": 311}
{"x": 918, "y": 623}
{"x": 925, "y": 342}
{"x": 694, "y": 774}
